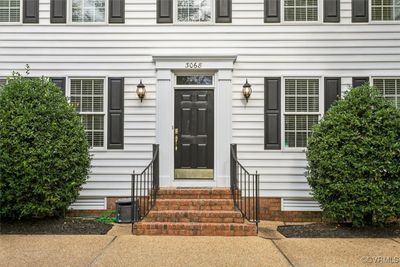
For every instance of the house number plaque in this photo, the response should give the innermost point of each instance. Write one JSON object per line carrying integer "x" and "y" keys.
{"x": 193, "y": 65}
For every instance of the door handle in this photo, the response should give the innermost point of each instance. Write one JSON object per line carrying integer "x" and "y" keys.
{"x": 176, "y": 138}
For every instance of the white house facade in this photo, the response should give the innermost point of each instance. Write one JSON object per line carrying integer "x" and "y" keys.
{"x": 193, "y": 57}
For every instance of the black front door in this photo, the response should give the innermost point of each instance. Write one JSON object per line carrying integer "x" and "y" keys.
{"x": 194, "y": 134}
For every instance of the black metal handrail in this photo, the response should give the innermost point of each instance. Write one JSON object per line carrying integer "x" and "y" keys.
{"x": 245, "y": 189}
{"x": 145, "y": 186}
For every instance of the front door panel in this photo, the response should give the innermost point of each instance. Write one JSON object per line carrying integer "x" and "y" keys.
{"x": 194, "y": 134}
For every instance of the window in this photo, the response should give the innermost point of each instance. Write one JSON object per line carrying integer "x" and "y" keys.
{"x": 194, "y": 80}
{"x": 302, "y": 110}
{"x": 390, "y": 89}
{"x": 301, "y": 10}
{"x": 10, "y": 10}
{"x": 384, "y": 10}
{"x": 2, "y": 82}
{"x": 87, "y": 95}
{"x": 194, "y": 10}
{"x": 88, "y": 10}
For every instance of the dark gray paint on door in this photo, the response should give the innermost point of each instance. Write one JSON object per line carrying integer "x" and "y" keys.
{"x": 194, "y": 119}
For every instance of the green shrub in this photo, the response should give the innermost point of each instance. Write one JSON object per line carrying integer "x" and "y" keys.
{"x": 354, "y": 159}
{"x": 44, "y": 154}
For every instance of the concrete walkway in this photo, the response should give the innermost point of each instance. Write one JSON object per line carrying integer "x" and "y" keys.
{"x": 121, "y": 249}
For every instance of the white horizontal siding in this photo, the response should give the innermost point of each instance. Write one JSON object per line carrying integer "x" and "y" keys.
{"x": 337, "y": 50}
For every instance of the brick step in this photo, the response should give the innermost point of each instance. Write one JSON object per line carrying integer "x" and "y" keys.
{"x": 194, "y": 193}
{"x": 194, "y": 204}
{"x": 195, "y": 229}
{"x": 194, "y": 216}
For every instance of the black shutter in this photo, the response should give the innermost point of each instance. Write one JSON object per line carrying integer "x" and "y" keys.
{"x": 115, "y": 113}
{"x": 359, "y": 10}
{"x": 58, "y": 11}
{"x": 331, "y": 10}
{"x": 332, "y": 91}
{"x": 358, "y": 81}
{"x": 165, "y": 11}
{"x": 60, "y": 82}
{"x": 272, "y": 13}
{"x": 31, "y": 11}
{"x": 272, "y": 116}
{"x": 223, "y": 11}
{"x": 116, "y": 13}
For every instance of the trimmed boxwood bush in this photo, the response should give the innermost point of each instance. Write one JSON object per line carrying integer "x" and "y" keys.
{"x": 354, "y": 159}
{"x": 44, "y": 154}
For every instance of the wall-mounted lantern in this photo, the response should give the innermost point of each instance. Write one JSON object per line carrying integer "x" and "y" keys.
{"x": 247, "y": 90}
{"x": 141, "y": 91}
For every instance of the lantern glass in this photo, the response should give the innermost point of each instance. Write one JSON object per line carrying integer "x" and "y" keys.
{"x": 141, "y": 91}
{"x": 247, "y": 90}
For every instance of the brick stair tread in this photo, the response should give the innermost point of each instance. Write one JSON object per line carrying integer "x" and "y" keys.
{"x": 195, "y": 201}
{"x": 199, "y": 212}
{"x": 194, "y": 204}
{"x": 206, "y": 216}
{"x": 212, "y": 229}
{"x": 194, "y": 193}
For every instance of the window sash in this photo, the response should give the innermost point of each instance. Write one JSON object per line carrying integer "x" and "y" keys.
{"x": 385, "y": 10}
{"x": 389, "y": 88}
{"x": 186, "y": 5}
{"x": 295, "y": 135}
{"x": 301, "y": 10}
{"x": 10, "y": 11}
{"x": 94, "y": 121}
{"x": 84, "y": 10}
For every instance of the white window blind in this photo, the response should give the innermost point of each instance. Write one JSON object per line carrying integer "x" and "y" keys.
{"x": 390, "y": 89}
{"x": 87, "y": 96}
{"x": 10, "y": 10}
{"x": 301, "y": 111}
{"x": 88, "y": 10}
{"x": 301, "y": 10}
{"x": 383, "y": 10}
{"x": 194, "y": 10}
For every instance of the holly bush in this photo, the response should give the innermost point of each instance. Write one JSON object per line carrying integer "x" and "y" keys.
{"x": 354, "y": 159}
{"x": 44, "y": 154}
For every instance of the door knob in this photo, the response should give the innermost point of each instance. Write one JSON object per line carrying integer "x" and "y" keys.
{"x": 176, "y": 138}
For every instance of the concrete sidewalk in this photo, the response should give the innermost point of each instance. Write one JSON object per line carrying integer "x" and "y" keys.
{"x": 120, "y": 248}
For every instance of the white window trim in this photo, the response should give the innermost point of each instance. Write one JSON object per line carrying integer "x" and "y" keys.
{"x": 191, "y": 23}
{"x": 69, "y": 16}
{"x": 320, "y": 15}
{"x": 283, "y": 112}
{"x": 379, "y": 21}
{"x": 20, "y": 16}
{"x": 105, "y": 104}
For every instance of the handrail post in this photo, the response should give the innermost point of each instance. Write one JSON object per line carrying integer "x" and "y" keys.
{"x": 257, "y": 199}
{"x": 156, "y": 171}
{"x": 133, "y": 199}
{"x": 233, "y": 166}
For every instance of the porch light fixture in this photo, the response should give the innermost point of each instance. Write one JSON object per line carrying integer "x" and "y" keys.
{"x": 247, "y": 90}
{"x": 141, "y": 91}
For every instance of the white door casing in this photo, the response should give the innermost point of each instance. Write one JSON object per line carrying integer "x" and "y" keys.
{"x": 222, "y": 66}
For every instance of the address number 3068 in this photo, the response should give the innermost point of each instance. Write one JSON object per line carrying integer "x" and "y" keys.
{"x": 193, "y": 65}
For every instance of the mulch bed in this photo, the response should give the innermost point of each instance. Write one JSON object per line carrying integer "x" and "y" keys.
{"x": 52, "y": 226}
{"x": 324, "y": 230}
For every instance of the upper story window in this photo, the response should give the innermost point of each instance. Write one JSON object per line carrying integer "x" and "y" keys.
{"x": 87, "y": 96}
{"x": 302, "y": 110}
{"x": 10, "y": 11}
{"x": 385, "y": 10}
{"x": 390, "y": 89}
{"x": 301, "y": 10}
{"x": 88, "y": 11}
{"x": 194, "y": 10}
